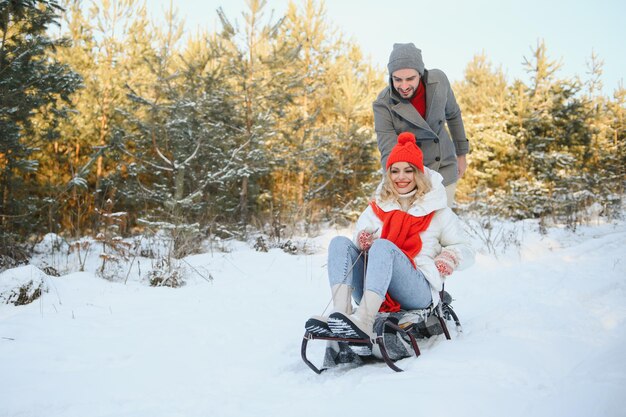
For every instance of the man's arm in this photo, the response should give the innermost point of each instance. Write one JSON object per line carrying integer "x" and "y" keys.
{"x": 455, "y": 125}
{"x": 386, "y": 135}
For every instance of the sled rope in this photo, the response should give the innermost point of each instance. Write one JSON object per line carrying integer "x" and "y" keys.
{"x": 345, "y": 278}
{"x": 364, "y": 253}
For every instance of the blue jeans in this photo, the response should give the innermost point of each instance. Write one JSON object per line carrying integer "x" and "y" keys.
{"x": 388, "y": 270}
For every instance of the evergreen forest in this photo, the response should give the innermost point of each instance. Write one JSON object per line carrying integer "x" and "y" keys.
{"x": 112, "y": 124}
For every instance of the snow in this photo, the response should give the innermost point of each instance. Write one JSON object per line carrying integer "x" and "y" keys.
{"x": 544, "y": 335}
{"x": 28, "y": 277}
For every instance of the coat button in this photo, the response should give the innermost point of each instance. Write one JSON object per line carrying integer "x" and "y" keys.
{"x": 437, "y": 159}
{"x": 436, "y": 140}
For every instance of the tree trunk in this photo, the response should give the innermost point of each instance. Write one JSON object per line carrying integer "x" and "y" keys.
{"x": 243, "y": 201}
{"x": 179, "y": 184}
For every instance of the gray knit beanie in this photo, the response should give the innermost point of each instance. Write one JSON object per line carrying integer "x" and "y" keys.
{"x": 405, "y": 55}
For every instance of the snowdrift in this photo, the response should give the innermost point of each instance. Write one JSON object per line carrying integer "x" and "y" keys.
{"x": 544, "y": 335}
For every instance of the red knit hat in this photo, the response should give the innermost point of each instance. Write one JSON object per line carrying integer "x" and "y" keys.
{"x": 406, "y": 151}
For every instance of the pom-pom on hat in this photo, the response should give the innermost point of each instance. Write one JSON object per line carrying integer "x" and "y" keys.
{"x": 406, "y": 151}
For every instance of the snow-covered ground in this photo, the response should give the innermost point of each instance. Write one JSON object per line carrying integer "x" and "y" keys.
{"x": 544, "y": 335}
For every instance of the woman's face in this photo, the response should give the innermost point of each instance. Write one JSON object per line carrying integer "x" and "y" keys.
{"x": 403, "y": 177}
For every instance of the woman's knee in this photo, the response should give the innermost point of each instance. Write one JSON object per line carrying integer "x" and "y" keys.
{"x": 381, "y": 245}
{"x": 339, "y": 243}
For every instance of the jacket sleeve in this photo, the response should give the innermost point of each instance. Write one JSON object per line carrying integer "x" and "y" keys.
{"x": 455, "y": 122}
{"x": 454, "y": 238}
{"x": 385, "y": 132}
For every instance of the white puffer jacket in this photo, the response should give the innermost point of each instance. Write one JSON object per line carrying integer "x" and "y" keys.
{"x": 445, "y": 230}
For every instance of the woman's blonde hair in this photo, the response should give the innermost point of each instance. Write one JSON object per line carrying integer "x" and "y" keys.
{"x": 422, "y": 185}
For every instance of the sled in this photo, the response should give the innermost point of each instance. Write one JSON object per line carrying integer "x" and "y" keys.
{"x": 388, "y": 327}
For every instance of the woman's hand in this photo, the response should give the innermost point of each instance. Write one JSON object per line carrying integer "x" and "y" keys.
{"x": 365, "y": 240}
{"x": 446, "y": 262}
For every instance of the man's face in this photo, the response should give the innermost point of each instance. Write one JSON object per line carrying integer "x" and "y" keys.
{"x": 405, "y": 81}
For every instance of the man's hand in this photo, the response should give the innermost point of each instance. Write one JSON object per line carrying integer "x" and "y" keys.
{"x": 461, "y": 161}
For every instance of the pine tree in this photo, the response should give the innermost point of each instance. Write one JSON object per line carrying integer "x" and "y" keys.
{"x": 111, "y": 47}
{"x": 327, "y": 144}
{"x": 482, "y": 96}
{"x": 262, "y": 89}
{"x": 32, "y": 82}
{"x": 181, "y": 138}
{"x": 605, "y": 171}
{"x": 345, "y": 172}
{"x": 553, "y": 131}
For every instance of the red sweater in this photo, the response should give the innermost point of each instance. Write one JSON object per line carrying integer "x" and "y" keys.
{"x": 419, "y": 99}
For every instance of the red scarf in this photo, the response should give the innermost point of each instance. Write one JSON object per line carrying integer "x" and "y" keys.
{"x": 403, "y": 230}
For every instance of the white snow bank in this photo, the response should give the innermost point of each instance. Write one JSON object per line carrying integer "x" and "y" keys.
{"x": 544, "y": 335}
{"x": 21, "y": 283}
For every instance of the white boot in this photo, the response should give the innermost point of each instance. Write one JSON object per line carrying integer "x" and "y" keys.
{"x": 342, "y": 299}
{"x": 359, "y": 325}
{"x": 366, "y": 313}
{"x": 342, "y": 303}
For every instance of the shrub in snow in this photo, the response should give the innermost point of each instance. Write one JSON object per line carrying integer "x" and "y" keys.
{"x": 25, "y": 294}
{"x": 115, "y": 250}
{"x": 81, "y": 249}
{"x": 289, "y": 247}
{"x": 7, "y": 262}
{"x": 115, "y": 254}
{"x": 178, "y": 240}
{"x": 495, "y": 236}
{"x": 51, "y": 255}
{"x": 187, "y": 240}
{"x": 23, "y": 285}
{"x": 262, "y": 244}
{"x": 51, "y": 243}
{"x": 50, "y": 270}
{"x": 167, "y": 272}
{"x": 112, "y": 267}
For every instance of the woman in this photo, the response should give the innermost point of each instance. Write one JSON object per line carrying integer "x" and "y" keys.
{"x": 411, "y": 241}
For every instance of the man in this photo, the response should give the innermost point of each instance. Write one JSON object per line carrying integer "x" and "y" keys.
{"x": 419, "y": 101}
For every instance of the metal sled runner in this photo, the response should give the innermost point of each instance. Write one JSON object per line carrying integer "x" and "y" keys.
{"x": 388, "y": 329}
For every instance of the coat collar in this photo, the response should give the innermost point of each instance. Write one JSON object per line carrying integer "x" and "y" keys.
{"x": 406, "y": 110}
{"x": 431, "y": 87}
